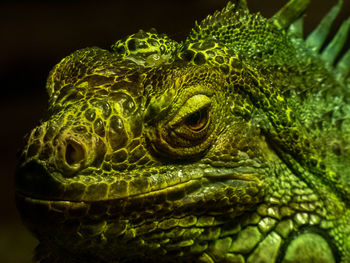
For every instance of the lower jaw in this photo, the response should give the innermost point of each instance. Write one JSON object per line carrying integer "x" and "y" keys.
{"x": 195, "y": 198}
{"x": 216, "y": 201}
{"x": 86, "y": 237}
{"x": 90, "y": 230}
{"x": 84, "y": 226}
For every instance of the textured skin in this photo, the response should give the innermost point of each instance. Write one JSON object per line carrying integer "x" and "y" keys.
{"x": 231, "y": 146}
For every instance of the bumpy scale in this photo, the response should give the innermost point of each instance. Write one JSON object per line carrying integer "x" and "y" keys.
{"x": 231, "y": 146}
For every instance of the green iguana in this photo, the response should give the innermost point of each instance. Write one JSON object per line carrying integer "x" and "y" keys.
{"x": 231, "y": 146}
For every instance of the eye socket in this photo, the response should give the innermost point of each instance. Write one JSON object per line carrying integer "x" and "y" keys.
{"x": 187, "y": 131}
{"x": 197, "y": 120}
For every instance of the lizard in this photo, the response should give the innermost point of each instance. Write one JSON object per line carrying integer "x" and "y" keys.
{"x": 230, "y": 146}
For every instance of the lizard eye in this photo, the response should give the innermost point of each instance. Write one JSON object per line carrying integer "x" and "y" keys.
{"x": 189, "y": 131}
{"x": 193, "y": 124}
{"x": 197, "y": 120}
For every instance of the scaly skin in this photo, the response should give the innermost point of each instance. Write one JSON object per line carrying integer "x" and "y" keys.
{"x": 231, "y": 146}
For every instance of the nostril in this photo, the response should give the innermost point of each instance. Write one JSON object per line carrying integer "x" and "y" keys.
{"x": 75, "y": 153}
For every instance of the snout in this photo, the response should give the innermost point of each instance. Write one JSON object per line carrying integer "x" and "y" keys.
{"x": 53, "y": 155}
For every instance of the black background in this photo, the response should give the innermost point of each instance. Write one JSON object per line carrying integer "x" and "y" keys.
{"x": 35, "y": 35}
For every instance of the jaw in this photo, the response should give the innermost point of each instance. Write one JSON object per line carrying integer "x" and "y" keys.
{"x": 148, "y": 221}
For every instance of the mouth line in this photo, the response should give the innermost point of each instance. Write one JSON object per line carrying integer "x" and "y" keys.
{"x": 79, "y": 209}
{"x": 191, "y": 185}
{"x": 184, "y": 195}
{"x": 67, "y": 204}
{"x": 166, "y": 190}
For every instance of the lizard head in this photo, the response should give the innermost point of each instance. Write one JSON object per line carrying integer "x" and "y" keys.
{"x": 140, "y": 144}
{"x": 159, "y": 151}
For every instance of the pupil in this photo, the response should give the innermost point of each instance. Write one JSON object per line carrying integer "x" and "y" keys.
{"x": 194, "y": 118}
{"x": 197, "y": 120}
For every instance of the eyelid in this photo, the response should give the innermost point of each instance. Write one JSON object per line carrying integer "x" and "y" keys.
{"x": 193, "y": 104}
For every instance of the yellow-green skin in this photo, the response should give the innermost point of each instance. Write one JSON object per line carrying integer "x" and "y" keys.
{"x": 231, "y": 146}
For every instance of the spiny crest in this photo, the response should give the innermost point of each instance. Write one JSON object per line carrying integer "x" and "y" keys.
{"x": 276, "y": 52}
{"x": 329, "y": 54}
{"x": 248, "y": 35}
{"x": 289, "y": 13}
{"x": 291, "y": 17}
{"x": 215, "y": 24}
{"x": 234, "y": 26}
{"x": 229, "y": 13}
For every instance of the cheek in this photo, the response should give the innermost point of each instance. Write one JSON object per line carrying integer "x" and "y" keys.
{"x": 236, "y": 143}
